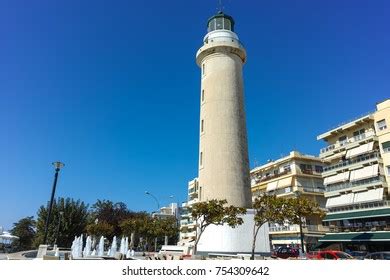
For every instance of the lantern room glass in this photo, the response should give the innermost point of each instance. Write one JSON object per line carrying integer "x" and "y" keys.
{"x": 220, "y": 23}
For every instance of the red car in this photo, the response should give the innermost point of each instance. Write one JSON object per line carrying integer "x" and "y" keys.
{"x": 329, "y": 255}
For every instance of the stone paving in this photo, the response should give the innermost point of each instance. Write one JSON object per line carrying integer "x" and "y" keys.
{"x": 3, "y": 256}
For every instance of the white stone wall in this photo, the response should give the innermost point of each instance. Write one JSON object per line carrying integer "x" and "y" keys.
{"x": 224, "y": 239}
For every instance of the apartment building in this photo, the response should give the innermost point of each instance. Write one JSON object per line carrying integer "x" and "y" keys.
{"x": 290, "y": 176}
{"x": 356, "y": 182}
{"x": 172, "y": 210}
{"x": 187, "y": 225}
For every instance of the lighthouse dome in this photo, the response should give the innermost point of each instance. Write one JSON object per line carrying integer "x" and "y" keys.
{"x": 220, "y": 21}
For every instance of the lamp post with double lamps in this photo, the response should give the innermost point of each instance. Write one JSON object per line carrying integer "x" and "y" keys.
{"x": 57, "y": 165}
{"x": 158, "y": 209}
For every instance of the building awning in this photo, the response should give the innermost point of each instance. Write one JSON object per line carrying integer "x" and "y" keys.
{"x": 357, "y": 215}
{"x": 365, "y": 172}
{"x": 343, "y": 199}
{"x": 360, "y": 150}
{"x": 356, "y": 237}
{"x": 272, "y": 186}
{"x": 341, "y": 177}
{"x": 369, "y": 195}
{"x": 286, "y": 182}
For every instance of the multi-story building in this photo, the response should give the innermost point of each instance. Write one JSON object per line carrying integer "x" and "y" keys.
{"x": 290, "y": 176}
{"x": 187, "y": 225}
{"x": 172, "y": 210}
{"x": 356, "y": 182}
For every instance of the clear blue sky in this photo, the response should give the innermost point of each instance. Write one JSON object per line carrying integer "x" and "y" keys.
{"x": 111, "y": 88}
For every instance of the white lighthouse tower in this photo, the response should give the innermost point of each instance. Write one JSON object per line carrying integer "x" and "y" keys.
{"x": 223, "y": 148}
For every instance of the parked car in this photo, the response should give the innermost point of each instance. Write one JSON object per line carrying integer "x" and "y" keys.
{"x": 329, "y": 255}
{"x": 359, "y": 255}
{"x": 286, "y": 252}
{"x": 378, "y": 256}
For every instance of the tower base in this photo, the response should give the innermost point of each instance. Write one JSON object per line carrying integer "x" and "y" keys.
{"x": 233, "y": 241}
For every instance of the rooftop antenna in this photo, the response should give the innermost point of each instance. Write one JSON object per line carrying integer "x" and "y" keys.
{"x": 220, "y": 6}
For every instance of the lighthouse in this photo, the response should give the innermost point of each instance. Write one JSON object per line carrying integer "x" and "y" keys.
{"x": 223, "y": 144}
{"x": 223, "y": 147}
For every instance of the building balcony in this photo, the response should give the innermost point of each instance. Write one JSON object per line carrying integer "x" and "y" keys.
{"x": 361, "y": 227}
{"x": 310, "y": 172}
{"x": 311, "y": 189}
{"x": 316, "y": 228}
{"x": 270, "y": 176}
{"x": 370, "y": 182}
{"x": 280, "y": 229}
{"x": 346, "y": 144}
{"x": 361, "y": 206}
{"x": 295, "y": 229}
{"x": 361, "y": 160}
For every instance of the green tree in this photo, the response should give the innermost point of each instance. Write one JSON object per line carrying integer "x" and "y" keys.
{"x": 299, "y": 208}
{"x": 100, "y": 229}
{"x": 213, "y": 212}
{"x": 268, "y": 209}
{"x": 110, "y": 213}
{"x": 140, "y": 225}
{"x": 25, "y": 230}
{"x": 166, "y": 226}
{"x": 69, "y": 218}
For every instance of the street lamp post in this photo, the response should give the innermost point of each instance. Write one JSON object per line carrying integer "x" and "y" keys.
{"x": 58, "y": 165}
{"x": 158, "y": 209}
{"x": 155, "y": 198}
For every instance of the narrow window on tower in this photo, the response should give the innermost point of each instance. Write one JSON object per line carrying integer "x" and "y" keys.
{"x": 202, "y": 126}
{"x": 203, "y": 69}
{"x": 202, "y": 95}
{"x": 201, "y": 159}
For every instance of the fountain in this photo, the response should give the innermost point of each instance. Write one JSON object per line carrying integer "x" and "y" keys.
{"x": 113, "y": 248}
{"x": 126, "y": 245}
{"x": 100, "y": 248}
{"x": 78, "y": 250}
{"x": 80, "y": 247}
{"x": 87, "y": 248}
{"x": 122, "y": 247}
{"x": 77, "y": 247}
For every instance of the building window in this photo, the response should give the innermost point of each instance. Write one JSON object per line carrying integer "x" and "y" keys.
{"x": 318, "y": 168}
{"x": 343, "y": 140}
{"x": 202, "y": 126}
{"x": 203, "y": 69}
{"x": 386, "y": 147}
{"x": 201, "y": 159}
{"x": 359, "y": 134}
{"x": 381, "y": 125}
{"x": 202, "y": 95}
{"x": 287, "y": 168}
{"x": 388, "y": 170}
{"x": 306, "y": 168}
